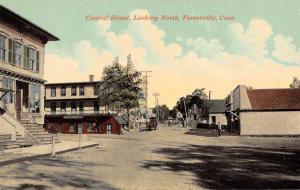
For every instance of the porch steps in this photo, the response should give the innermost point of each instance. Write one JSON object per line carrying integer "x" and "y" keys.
{"x": 7, "y": 143}
{"x": 38, "y": 132}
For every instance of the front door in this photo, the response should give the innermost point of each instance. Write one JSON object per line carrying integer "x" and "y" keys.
{"x": 18, "y": 103}
{"x": 108, "y": 129}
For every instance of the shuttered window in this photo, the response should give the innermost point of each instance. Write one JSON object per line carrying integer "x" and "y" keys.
{"x": 2, "y": 47}
{"x": 37, "y": 61}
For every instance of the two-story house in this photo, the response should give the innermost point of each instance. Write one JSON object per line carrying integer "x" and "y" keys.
{"x": 22, "y": 50}
{"x": 74, "y": 107}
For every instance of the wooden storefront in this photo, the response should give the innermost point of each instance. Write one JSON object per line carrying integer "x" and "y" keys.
{"x": 88, "y": 124}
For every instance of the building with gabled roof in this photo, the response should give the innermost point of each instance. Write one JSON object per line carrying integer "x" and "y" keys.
{"x": 264, "y": 111}
{"x": 216, "y": 111}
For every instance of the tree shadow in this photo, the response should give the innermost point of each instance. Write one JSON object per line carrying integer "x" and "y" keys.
{"x": 208, "y": 133}
{"x": 59, "y": 173}
{"x": 218, "y": 167}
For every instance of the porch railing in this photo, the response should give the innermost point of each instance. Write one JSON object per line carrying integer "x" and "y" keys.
{"x": 84, "y": 112}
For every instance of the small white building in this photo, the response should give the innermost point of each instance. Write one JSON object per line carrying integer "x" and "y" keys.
{"x": 216, "y": 110}
{"x": 264, "y": 111}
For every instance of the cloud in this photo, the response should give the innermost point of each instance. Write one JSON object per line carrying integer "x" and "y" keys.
{"x": 206, "y": 48}
{"x": 251, "y": 41}
{"x": 60, "y": 69}
{"x": 285, "y": 50}
{"x": 207, "y": 62}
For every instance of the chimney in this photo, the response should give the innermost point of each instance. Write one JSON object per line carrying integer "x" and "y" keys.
{"x": 91, "y": 78}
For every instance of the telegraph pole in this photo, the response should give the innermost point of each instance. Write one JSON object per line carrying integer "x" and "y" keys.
{"x": 156, "y": 94}
{"x": 146, "y": 93}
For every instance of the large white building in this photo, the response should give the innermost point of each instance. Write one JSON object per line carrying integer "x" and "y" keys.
{"x": 264, "y": 111}
{"x": 22, "y": 49}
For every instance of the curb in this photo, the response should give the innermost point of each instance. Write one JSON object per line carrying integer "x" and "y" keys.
{"x": 12, "y": 161}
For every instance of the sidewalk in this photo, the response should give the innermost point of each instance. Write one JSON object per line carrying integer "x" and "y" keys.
{"x": 21, "y": 154}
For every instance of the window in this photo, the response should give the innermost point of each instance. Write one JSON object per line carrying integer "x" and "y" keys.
{"x": 17, "y": 53}
{"x": 96, "y": 106}
{"x": 31, "y": 59}
{"x": 2, "y": 47}
{"x": 71, "y": 127}
{"x": 53, "y": 91}
{"x": 108, "y": 129}
{"x": 90, "y": 127}
{"x": 59, "y": 128}
{"x": 96, "y": 90}
{"x": 73, "y": 107}
{"x": 81, "y": 106}
{"x": 81, "y": 90}
{"x": 74, "y": 91}
{"x": 34, "y": 99}
{"x": 53, "y": 107}
{"x": 63, "y": 91}
{"x": 63, "y": 106}
{"x": 8, "y": 84}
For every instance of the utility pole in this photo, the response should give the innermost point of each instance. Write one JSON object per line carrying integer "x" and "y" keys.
{"x": 156, "y": 94}
{"x": 146, "y": 89}
{"x": 186, "y": 116}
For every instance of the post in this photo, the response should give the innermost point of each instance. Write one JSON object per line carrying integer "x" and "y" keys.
{"x": 79, "y": 141}
{"x": 186, "y": 117}
{"x": 80, "y": 134}
{"x": 53, "y": 145}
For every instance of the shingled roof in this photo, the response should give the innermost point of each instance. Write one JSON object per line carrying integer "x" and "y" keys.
{"x": 274, "y": 99}
{"x": 216, "y": 106}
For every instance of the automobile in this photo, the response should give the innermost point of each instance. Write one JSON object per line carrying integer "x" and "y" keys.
{"x": 152, "y": 124}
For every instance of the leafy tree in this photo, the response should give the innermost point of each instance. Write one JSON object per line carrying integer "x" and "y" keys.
{"x": 120, "y": 87}
{"x": 163, "y": 112}
{"x": 295, "y": 83}
{"x": 197, "y": 98}
{"x": 173, "y": 112}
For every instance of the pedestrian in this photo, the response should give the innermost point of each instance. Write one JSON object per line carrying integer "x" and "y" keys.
{"x": 219, "y": 128}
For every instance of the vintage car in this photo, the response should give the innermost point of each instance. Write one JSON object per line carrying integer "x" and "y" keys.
{"x": 151, "y": 124}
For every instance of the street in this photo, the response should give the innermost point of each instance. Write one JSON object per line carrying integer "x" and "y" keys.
{"x": 169, "y": 158}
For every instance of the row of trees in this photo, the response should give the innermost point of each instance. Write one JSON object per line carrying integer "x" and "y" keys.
{"x": 121, "y": 90}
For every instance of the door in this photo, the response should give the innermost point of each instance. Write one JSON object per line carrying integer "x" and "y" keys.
{"x": 108, "y": 129}
{"x": 18, "y": 104}
{"x": 213, "y": 118}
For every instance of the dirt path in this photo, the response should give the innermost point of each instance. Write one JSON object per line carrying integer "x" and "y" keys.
{"x": 169, "y": 158}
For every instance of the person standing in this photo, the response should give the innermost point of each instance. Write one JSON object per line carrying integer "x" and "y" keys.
{"x": 219, "y": 128}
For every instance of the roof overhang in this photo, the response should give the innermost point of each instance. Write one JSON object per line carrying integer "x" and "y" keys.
{"x": 25, "y": 25}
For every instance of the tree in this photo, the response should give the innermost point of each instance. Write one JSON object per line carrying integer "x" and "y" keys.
{"x": 295, "y": 83}
{"x": 198, "y": 98}
{"x": 163, "y": 111}
{"x": 173, "y": 113}
{"x": 120, "y": 87}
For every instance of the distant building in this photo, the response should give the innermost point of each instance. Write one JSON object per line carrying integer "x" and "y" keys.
{"x": 73, "y": 107}
{"x": 22, "y": 50}
{"x": 216, "y": 111}
{"x": 264, "y": 111}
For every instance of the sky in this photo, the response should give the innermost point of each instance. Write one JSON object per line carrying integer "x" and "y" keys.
{"x": 258, "y": 47}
